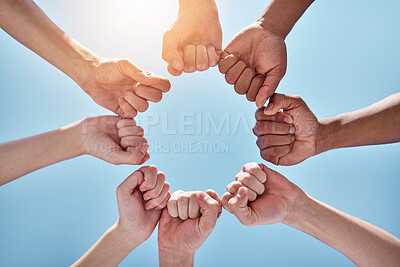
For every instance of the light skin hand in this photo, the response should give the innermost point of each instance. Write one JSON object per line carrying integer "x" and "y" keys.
{"x": 115, "y": 84}
{"x": 255, "y": 62}
{"x": 122, "y": 87}
{"x": 185, "y": 225}
{"x": 139, "y": 213}
{"x": 115, "y": 140}
{"x": 194, "y": 40}
{"x": 271, "y": 206}
{"x": 287, "y": 130}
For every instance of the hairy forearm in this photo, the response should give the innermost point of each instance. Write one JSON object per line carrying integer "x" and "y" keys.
{"x": 376, "y": 124}
{"x": 28, "y": 24}
{"x": 281, "y": 15}
{"x": 363, "y": 243}
{"x": 109, "y": 250}
{"x": 20, "y": 157}
{"x": 171, "y": 258}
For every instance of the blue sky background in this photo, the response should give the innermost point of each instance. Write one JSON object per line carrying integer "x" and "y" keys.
{"x": 342, "y": 55}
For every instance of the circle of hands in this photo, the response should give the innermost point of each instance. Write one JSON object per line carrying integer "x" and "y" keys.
{"x": 287, "y": 131}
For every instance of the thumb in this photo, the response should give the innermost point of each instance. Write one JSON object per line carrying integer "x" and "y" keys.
{"x": 170, "y": 51}
{"x": 280, "y": 101}
{"x": 132, "y": 155}
{"x": 238, "y": 205}
{"x": 128, "y": 68}
{"x": 268, "y": 88}
{"x": 209, "y": 212}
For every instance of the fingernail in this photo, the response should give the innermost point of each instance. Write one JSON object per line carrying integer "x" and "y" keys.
{"x": 270, "y": 106}
{"x": 177, "y": 65}
{"x": 241, "y": 193}
{"x": 143, "y": 147}
{"x": 149, "y": 206}
{"x": 288, "y": 120}
{"x": 291, "y": 129}
{"x": 293, "y": 138}
{"x": 145, "y": 197}
{"x": 202, "y": 195}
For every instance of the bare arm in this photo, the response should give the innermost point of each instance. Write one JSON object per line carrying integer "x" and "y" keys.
{"x": 29, "y": 25}
{"x": 281, "y": 15}
{"x": 98, "y": 136}
{"x": 362, "y": 242}
{"x": 376, "y": 124}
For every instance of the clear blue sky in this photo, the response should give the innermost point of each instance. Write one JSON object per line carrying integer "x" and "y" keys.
{"x": 343, "y": 55}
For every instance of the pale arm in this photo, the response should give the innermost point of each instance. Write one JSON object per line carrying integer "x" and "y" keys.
{"x": 376, "y": 124}
{"x": 362, "y": 242}
{"x": 29, "y": 25}
{"x": 109, "y": 250}
{"x": 281, "y": 15}
{"x": 20, "y": 157}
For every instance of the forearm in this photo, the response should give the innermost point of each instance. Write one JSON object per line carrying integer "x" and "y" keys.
{"x": 171, "y": 258}
{"x": 363, "y": 243}
{"x": 376, "y": 124}
{"x": 109, "y": 250}
{"x": 281, "y": 15}
{"x": 20, "y": 157}
{"x": 183, "y": 4}
{"x": 28, "y": 24}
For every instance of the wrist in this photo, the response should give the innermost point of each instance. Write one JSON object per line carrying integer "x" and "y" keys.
{"x": 298, "y": 210}
{"x": 169, "y": 257}
{"x": 128, "y": 239}
{"x": 187, "y": 4}
{"x": 74, "y": 137}
{"x": 271, "y": 27}
{"x": 328, "y": 132}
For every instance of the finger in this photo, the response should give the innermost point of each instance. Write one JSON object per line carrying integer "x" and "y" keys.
{"x": 163, "y": 203}
{"x": 251, "y": 182}
{"x": 226, "y": 63}
{"x": 172, "y": 205}
{"x": 232, "y": 75}
{"x": 127, "y": 111}
{"x": 145, "y": 158}
{"x": 270, "y": 127}
{"x": 130, "y": 131}
{"x": 173, "y": 71}
{"x": 268, "y": 88}
{"x": 156, "y": 191}
{"x": 170, "y": 51}
{"x": 194, "y": 207}
{"x": 281, "y": 116}
{"x": 160, "y": 199}
{"x": 163, "y": 85}
{"x": 213, "y": 57}
{"x": 274, "y": 153}
{"x": 238, "y": 205}
{"x": 282, "y": 102}
{"x": 209, "y": 212}
{"x": 132, "y": 156}
{"x": 233, "y": 187}
{"x": 130, "y": 183}
{"x": 265, "y": 141}
{"x": 132, "y": 141}
{"x": 255, "y": 170}
{"x": 189, "y": 58}
{"x": 148, "y": 93}
{"x": 201, "y": 58}
{"x": 125, "y": 122}
{"x": 242, "y": 84}
{"x": 128, "y": 68}
{"x": 255, "y": 86}
{"x": 225, "y": 200}
{"x": 183, "y": 207}
{"x": 216, "y": 197}
{"x": 150, "y": 177}
{"x": 135, "y": 101}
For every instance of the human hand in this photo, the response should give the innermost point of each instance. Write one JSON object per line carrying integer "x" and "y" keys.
{"x": 122, "y": 87}
{"x": 194, "y": 40}
{"x": 255, "y": 62}
{"x": 186, "y": 224}
{"x": 141, "y": 199}
{"x": 115, "y": 140}
{"x": 287, "y": 130}
{"x": 271, "y": 206}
